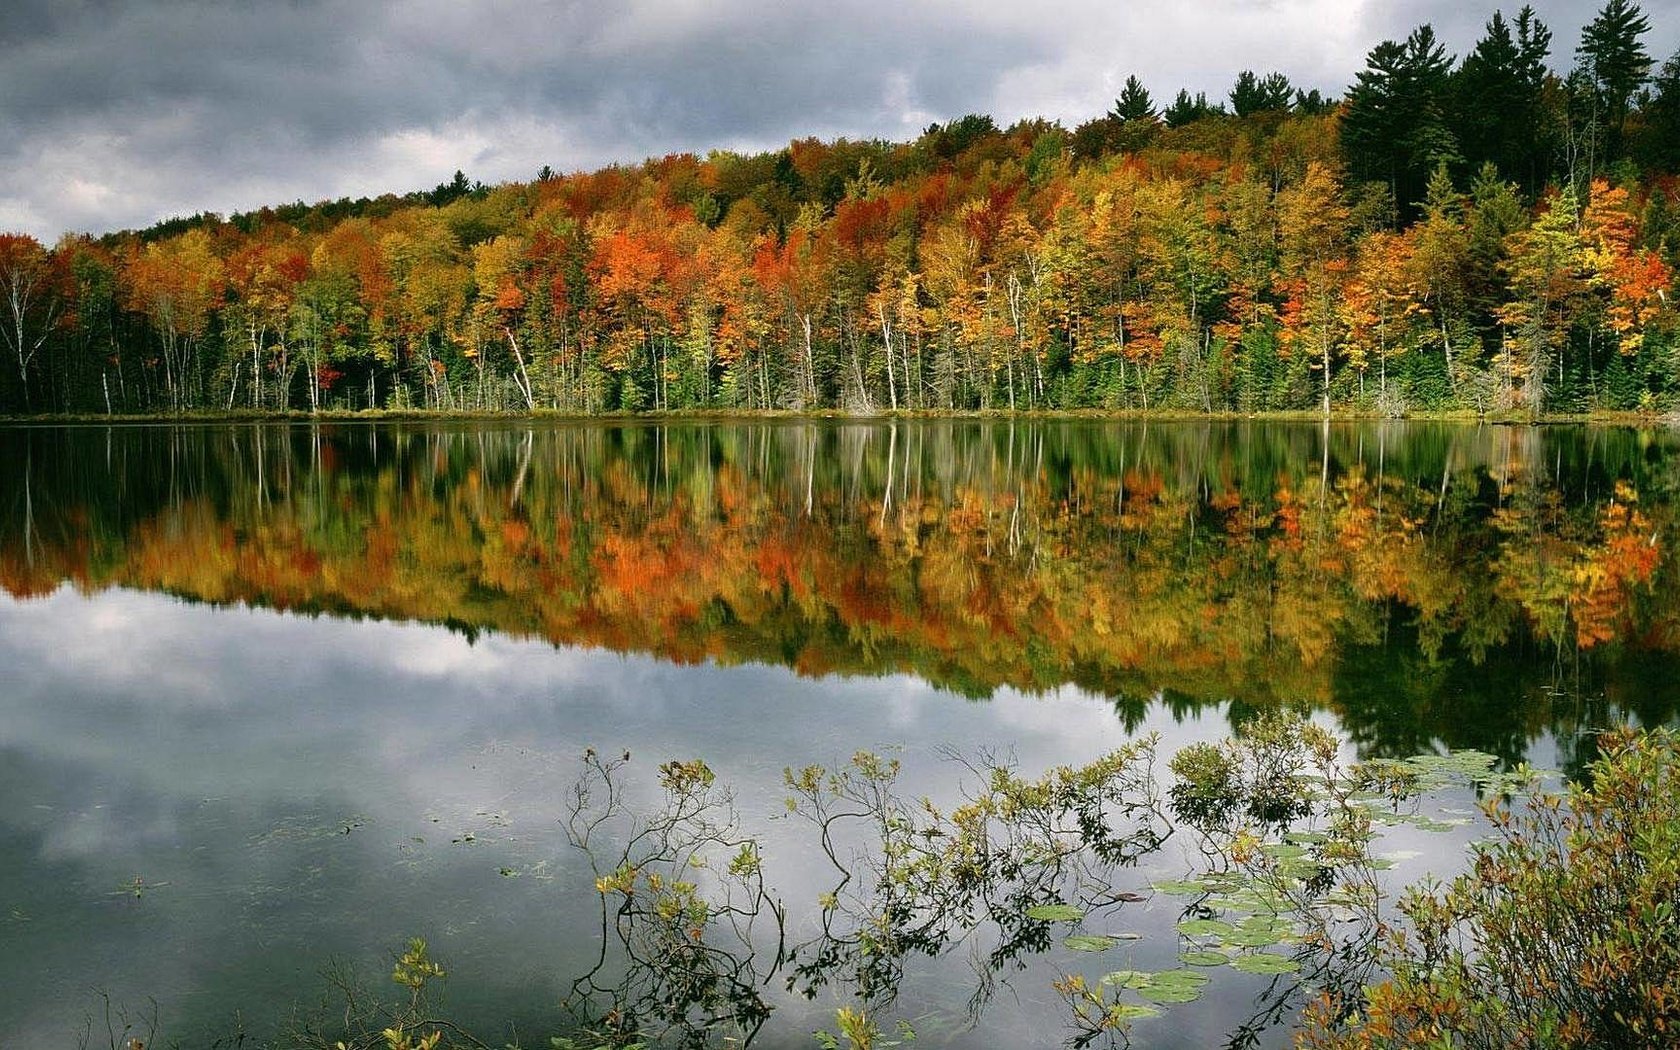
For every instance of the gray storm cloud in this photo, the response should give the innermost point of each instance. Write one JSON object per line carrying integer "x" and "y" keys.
{"x": 117, "y": 113}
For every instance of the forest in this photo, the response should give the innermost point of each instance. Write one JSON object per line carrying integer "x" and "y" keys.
{"x": 1479, "y": 234}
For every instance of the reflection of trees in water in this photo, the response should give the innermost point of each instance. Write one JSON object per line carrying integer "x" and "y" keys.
{"x": 682, "y": 893}
{"x": 1021, "y": 873}
{"x": 1390, "y": 571}
{"x": 692, "y": 938}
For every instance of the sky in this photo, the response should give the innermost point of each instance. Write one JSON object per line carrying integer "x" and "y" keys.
{"x": 117, "y": 113}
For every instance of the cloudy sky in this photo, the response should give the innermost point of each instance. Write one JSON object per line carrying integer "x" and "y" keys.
{"x": 119, "y": 112}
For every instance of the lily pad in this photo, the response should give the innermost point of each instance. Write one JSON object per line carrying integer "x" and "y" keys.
{"x": 1180, "y": 888}
{"x": 1206, "y": 928}
{"x": 1256, "y": 938}
{"x": 1204, "y": 958}
{"x": 1170, "y": 994}
{"x": 1128, "y": 978}
{"x": 1265, "y": 964}
{"x": 1174, "y": 986}
{"x": 1085, "y": 942}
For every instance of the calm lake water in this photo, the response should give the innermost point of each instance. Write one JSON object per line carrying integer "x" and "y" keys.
{"x": 274, "y": 698}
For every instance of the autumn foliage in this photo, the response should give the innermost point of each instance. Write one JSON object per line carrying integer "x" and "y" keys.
{"x": 1203, "y": 261}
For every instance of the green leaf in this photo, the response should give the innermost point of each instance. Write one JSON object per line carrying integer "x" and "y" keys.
{"x": 1204, "y": 958}
{"x": 1265, "y": 964}
{"x": 1180, "y": 887}
{"x": 1085, "y": 942}
{"x": 1170, "y": 994}
{"x": 1128, "y": 978}
{"x": 1174, "y": 986}
{"x": 1255, "y": 938}
{"x": 1206, "y": 928}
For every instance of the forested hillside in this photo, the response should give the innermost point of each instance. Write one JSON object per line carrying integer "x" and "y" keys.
{"x": 1486, "y": 232}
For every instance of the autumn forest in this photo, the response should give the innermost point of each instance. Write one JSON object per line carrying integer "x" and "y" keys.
{"x": 1494, "y": 233}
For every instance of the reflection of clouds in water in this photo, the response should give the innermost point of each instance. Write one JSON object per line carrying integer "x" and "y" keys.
{"x": 305, "y": 786}
{"x": 220, "y": 751}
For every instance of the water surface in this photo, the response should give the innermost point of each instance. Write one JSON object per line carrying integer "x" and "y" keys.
{"x": 275, "y": 695}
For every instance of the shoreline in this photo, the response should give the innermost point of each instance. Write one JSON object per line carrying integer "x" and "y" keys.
{"x": 1618, "y": 419}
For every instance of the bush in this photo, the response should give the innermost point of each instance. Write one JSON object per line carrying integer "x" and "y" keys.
{"x": 1565, "y": 932}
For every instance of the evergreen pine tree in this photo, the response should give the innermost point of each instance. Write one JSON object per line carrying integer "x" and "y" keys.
{"x": 1134, "y": 102}
{"x": 1615, "y": 60}
{"x": 1658, "y": 144}
{"x": 1394, "y": 131}
{"x": 1256, "y": 94}
{"x": 1497, "y": 112}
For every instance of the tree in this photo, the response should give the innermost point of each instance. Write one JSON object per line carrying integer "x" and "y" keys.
{"x": 1177, "y": 264}
{"x": 177, "y": 284}
{"x": 1312, "y": 231}
{"x": 1559, "y": 933}
{"x": 1187, "y": 109}
{"x": 1394, "y": 130}
{"x": 1254, "y": 94}
{"x": 30, "y": 304}
{"x": 1616, "y": 62}
{"x": 796, "y": 279}
{"x": 453, "y": 190}
{"x": 92, "y": 346}
{"x": 1312, "y": 103}
{"x": 1658, "y": 143}
{"x": 1134, "y": 103}
{"x": 1439, "y": 261}
{"x": 263, "y": 279}
{"x": 501, "y": 300}
{"x": 1498, "y": 113}
{"x": 427, "y": 294}
{"x": 1378, "y": 301}
{"x": 1494, "y": 214}
{"x": 1545, "y": 268}
{"x": 1635, "y": 279}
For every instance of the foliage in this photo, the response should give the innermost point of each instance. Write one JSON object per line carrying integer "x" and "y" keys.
{"x": 1148, "y": 258}
{"x": 1288, "y": 832}
{"x": 365, "y": 1020}
{"x": 1564, "y": 931}
{"x": 856, "y": 1031}
{"x": 1002, "y": 865}
{"x": 681, "y": 891}
{"x": 1560, "y": 932}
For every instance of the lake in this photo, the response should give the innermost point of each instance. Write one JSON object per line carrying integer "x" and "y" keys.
{"x": 277, "y": 698}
